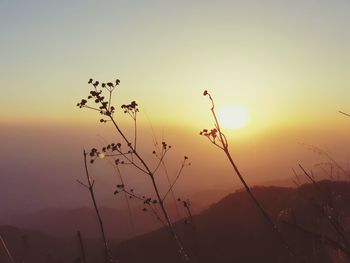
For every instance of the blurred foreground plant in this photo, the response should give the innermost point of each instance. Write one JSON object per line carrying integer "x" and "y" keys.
{"x": 6, "y": 250}
{"x": 334, "y": 231}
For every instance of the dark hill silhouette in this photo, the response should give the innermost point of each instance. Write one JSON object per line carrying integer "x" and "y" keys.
{"x": 36, "y": 247}
{"x": 60, "y": 222}
{"x": 65, "y": 222}
{"x": 33, "y": 246}
{"x": 231, "y": 230}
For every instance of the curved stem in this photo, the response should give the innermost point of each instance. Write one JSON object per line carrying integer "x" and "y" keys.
{"x": 225, "y": 147}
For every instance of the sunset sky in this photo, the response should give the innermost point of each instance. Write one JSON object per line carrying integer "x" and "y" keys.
{"x": 286, "y": 63}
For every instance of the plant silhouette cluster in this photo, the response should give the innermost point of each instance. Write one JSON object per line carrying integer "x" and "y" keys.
{"x": 126, "y": 153}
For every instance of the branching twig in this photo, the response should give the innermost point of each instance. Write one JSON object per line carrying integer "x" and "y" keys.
{"x": 334, "y": 223}
{"x": 156, "y": 145}
{"x": 160, "y": 161}
{"x": 216, "y": 136}
{"x": 126, "y": 198}
{"x": 176, "y": 178}
{"x": 146, "y": 201}
{"x": 108, "y": 111}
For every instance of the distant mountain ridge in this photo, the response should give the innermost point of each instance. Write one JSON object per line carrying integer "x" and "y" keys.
{"x": 66, "y": 222}
{"x": 60, "y": 222}
{"x": 231, "y": 230}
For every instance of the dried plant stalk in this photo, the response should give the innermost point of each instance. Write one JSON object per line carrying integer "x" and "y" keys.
{"x": 218, "y": 139}
{"x": 7, "y": 251}
{"x": 90, "y": 188}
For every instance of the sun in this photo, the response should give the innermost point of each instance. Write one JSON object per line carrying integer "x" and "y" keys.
{"x": 233, "y": 117}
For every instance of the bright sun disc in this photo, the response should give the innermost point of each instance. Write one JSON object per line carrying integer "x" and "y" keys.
{"x": 233, "y": 117}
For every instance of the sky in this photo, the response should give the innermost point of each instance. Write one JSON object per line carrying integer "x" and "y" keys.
{"x": 285, "y": 62}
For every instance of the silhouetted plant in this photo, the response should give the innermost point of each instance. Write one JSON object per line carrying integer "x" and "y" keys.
{"x": 331, "y": 161}
{"x": 127, "y": 153}
{"x": 218, "y": 139}
{"x": 90, "y": 187}
{"x": 170, "y": 184}
{"x": 119, "y": 174}
{"x": 150, "y": 204}
{"x": 187, "y": 206}
{"x": 82, "y": 248}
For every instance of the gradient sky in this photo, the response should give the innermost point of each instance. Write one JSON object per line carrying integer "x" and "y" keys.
{"x": 286, "y": 62}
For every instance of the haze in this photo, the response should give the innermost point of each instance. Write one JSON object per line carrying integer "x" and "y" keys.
{"x": 285, "y": 62}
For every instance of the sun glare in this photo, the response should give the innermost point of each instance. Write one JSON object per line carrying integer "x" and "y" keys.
{"x": 233, "y": 117}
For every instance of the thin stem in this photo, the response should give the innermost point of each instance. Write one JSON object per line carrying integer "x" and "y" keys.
{"x": 225, "y": 147}
{"x": 135, "y": 133}
{"x": 155, "y": 213}
{"x": 82, "y": 247}
{"x": 116, "y": 154}
{"x": 132, "y": 194}
{"x": 328, "y": 156}
{"x": 174, "y": 182}
{"x": 7, "y": 251}
{"x": 156, "y": 145}
{"x": 330, "y": 241}
{"x": 91, "y": 108}
{"x": 187, "y": 206}
{"x": 260, "y": 207}
{"x": 334, "y": 223}
{"x": 182, "y": 251}
{"x": 297, "y": 180}
{"x": 171, "y": 188}
{"x": 131, "y": 161}
{"x": 110, "y": 99}
{"x": 153, "y": 210}
{"x": 344, "y": 113}
{"x": 160, "y": 161}
{"x": 126, "y": 199}
{"x": 312, "y": 180}
{"x": 92, "y": 195}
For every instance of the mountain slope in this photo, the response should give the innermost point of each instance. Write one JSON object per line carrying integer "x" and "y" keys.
{"x": 232, "y": 230}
